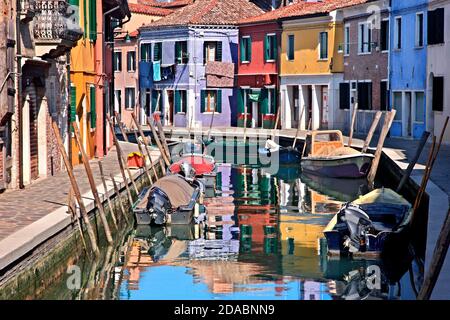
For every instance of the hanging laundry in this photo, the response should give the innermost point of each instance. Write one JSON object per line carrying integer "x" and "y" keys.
{"x": 157, "y": 71}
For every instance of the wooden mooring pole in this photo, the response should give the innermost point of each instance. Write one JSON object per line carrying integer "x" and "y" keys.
{"x": 122, "y": 130}
{"x": 384, "y": 132}
{"x": 163, "y": 139}
{"x": 158, "y": 142}
{"x": 122, "y": 156}
{"x": 298, "y": 126}
{"x": 412, "y": 164}
{"x": 76, "y": 190}
{"x": 352, "y": 125}
{"x": 106, "y": 192}
{"x": 141, "y": 150}
{"x": 117, "y": 191}
{"x": 374, "y": 126}
{"x": 439, "y": 255}
{"x": 92, "y": 184}
{"x": 121, "y": 161}
{"x": 147, "y": 148}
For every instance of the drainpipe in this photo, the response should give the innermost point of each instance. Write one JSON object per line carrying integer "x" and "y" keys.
{"x": 19, "y": 97}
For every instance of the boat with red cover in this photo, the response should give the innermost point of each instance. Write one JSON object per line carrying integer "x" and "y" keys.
{"x": 204, "y": 167}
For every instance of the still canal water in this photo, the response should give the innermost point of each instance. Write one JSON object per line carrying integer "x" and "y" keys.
{"x": 260, "y": 239}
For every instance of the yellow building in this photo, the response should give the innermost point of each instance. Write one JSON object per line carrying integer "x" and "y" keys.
{"x": 91, "y": 74}
{"x": 312, "y": 65}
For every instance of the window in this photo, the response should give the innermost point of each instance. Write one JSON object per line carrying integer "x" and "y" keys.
{"x": 436, "y": 25}
{"x": 246, "y": 49}
{"x": 211, "y": 101}
{"x": 117, "y": 61}
{"x": 438, "y": 94}
{"x": 181, "y": 54}
{"x": 180, "y": 101}
{"x": 157, "y": 51}
{"x": 364, "y": 38}
{"x": 272, "y": 103}
{"x": 347, "y": 40}
{"x": 420, "y": 107}
{"x": 93, "y": 107}
{"x": 364, "y": 95}
{"x": 118, "y": 100}
{"x": 93, "y": 20}
{"x": 344, "y": 95}
{"x": 156, "y": 101}
{"x": 212, "y": 51}
{"x": 398, "y": 33}
{"x": 398, "y": 106}
{"x": 291, "y": 47}
{"x": 131, "y": 61}
{"x": 146, "y": 49}
{"x": 384, "y": 96}
{"x": 419, "y": 30}
{"x": 384, "y": 41}
{"x": 129, "y": 98}
{"x": 323, "y": 46}
{"x": 270, "y": 47}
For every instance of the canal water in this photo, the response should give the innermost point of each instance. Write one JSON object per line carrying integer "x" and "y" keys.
{"x": 260, "y": 239}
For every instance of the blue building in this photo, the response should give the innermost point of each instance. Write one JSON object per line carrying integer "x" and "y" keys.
{"x": 408, "y": 66}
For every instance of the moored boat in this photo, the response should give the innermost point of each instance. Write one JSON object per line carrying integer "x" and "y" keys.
{"x": 284, "y": 155}
{"x": 327, "y": 155}
{"x": 362, "y": 227}
{"x": 203, "y": 168}
{"x": 171, "y": 200}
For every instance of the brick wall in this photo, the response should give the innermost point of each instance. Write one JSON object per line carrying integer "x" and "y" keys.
{"x": 372, "y": 66}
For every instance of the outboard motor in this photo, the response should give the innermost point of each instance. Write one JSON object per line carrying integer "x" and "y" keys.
{"x": 159, "y": 206}
{"x": 358, "y": 224}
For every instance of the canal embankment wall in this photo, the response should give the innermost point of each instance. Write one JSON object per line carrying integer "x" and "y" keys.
{"x": 45, "y": 236}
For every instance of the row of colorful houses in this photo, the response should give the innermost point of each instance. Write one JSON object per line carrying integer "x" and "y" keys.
{"x": 56, "y": 67}
{"x": 220, "y": 62}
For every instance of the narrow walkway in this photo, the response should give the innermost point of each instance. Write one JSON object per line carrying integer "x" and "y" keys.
{"x": 40, "y": 210}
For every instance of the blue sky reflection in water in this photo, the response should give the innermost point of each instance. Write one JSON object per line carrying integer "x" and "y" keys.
{"x": 260, "y": 240}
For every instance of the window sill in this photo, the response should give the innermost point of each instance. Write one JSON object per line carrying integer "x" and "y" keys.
{"x": 117, "y": 71}
{"x": 131, "y": 71}
{"x": 181, "y": 113}
{"x": 419, "y": 47}
{"x": 322, "y": 60}
{"x": 364, "y": 53}
{"x": 385, "y": 51}
{"x": 129, "y": 109}
{"x": 245, "y": 62}
{"x": 271, "y": 61}
{"x": 210, "y": 112}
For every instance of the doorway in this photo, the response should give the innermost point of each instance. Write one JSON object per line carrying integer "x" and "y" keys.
{"x": 171, "y": 109}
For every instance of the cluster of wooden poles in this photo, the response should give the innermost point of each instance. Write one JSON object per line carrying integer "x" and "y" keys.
{"x": 143, "y": 144}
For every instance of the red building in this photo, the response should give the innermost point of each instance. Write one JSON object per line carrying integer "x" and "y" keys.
{"x": 259, "y": 45}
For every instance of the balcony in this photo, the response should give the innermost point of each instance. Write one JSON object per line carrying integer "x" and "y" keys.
{"x": 56, "y": 27}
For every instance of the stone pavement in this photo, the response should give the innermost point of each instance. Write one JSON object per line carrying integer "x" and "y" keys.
{"x": 20, "y": 208}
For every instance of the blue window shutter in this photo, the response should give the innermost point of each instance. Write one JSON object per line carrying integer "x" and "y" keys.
{"x": 219, "y": 101}
{"x": 202, "y": 101}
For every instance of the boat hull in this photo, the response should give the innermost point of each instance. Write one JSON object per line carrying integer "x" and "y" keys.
{"x": 356, "y": 166}
{"x": 285, "y": 156}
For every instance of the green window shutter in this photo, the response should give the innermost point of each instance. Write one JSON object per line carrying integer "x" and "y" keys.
{"x": 93, "y": 20}
{"x": 93, "y": 108}
{"x": 241, "y": 100}
{"x": 249, "y": 49}
{"x": 275, "y": 47}
{"x": 264, "y": 101}
{"x": 202, "y": 101}
{"x": 219, "y": 51}
{"x": 242, "y": 47}
{"x": 219, "y": 101}
{"x": 267, "y": 48}
{"x": 85, "y": 19}
{"x": 177, "y": 101}
{"x": 274, "y": 101}
{"x": 73, "y": 106}
{"x": 157, "y": 51}
{"x": 74, "y": 2}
